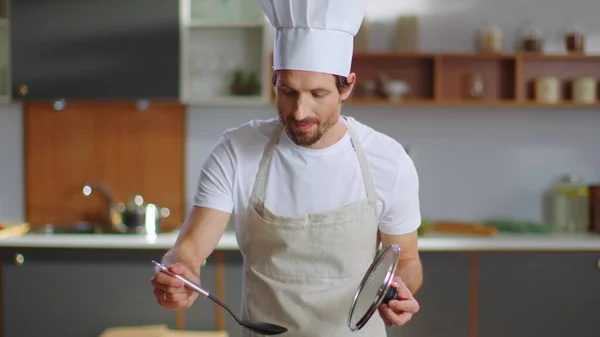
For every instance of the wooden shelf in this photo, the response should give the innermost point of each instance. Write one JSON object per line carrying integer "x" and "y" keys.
{"x": 231, "y": 101}
{"x": 445, "y": 79}
{"x": 209, "y": 65}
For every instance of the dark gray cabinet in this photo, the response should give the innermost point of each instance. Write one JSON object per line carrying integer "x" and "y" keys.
{"x": 78, "y": 293}
{"x": 539, "y": 294}
{"x": 234, "y": 272}
{"x": 202, "y": 315}
{"x": 443, "y": 298}
{"x": 90, "y": 49}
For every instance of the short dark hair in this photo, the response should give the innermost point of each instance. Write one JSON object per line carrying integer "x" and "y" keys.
{"x": 341, "y": 82}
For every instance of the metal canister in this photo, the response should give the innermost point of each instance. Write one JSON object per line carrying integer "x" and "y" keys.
{"x": 584, "y": 90}
{"x": 547, "y": 90}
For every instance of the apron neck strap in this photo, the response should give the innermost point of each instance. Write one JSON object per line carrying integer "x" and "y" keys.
{"x": 258, "y": 191}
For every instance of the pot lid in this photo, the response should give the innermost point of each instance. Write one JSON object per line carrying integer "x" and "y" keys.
{"x": 375, "y": 287}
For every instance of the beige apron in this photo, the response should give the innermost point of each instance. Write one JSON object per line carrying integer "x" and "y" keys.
{"x": 302, "y": 273}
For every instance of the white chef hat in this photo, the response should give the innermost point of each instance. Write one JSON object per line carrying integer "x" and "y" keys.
{"x": 314, "y": 35}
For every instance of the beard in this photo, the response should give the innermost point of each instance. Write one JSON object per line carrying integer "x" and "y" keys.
{"x": 306, "y": 138}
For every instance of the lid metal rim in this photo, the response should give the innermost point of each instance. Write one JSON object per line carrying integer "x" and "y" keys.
{"x": 382, "y": 290}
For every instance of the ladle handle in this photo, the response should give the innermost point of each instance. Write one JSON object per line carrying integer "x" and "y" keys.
{"x": 189, "y": 283}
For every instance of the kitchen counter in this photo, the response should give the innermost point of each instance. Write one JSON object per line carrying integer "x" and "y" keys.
{"x": 429, "y": 242}
{"x": 466, "y": 287}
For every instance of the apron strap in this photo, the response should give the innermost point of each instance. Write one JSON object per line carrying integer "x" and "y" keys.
{"x": 364, "y": 166}
{"x": 258, "y": 191}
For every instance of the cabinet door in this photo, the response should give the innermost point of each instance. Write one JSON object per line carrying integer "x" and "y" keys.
{"x": 88, "y": 49}
{"x": 75, "y": 293}
{"x": 234, "y": 273}
{"x": 202, "y": 315}
{"x": 539, "y": 294}
{"x": 443, "y": 298}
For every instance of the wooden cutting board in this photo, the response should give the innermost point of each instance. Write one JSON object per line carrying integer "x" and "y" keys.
{"x": 469, "y": 228}
{"x": 157, "y": 331}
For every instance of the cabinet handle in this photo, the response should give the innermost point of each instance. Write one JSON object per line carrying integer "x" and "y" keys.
{"x": 23, "y": 90}
{"x": 19, "y": 259}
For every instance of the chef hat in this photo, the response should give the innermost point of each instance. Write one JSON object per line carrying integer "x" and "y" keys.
{"x": 314, "y": 35}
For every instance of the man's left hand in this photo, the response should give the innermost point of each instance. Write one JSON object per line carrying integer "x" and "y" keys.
{"x": 400, "y": 310}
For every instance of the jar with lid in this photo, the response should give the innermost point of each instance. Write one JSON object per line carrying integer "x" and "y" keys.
{"x": 532, "y": 40}
{"x": 569, "y": 205}
{"x": 491, "y": 39}
{"x": 574, "y": 39}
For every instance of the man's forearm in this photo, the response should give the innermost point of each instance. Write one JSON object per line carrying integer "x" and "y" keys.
{"x": 411, "y": 273}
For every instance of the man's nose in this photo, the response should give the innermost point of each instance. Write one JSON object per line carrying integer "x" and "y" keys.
{"x": 302, "y": 110}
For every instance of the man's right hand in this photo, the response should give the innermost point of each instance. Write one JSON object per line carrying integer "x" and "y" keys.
{"x": 171, "y": 292}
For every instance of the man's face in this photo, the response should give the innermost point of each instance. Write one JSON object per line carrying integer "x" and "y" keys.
{"x": 308, "y": 104}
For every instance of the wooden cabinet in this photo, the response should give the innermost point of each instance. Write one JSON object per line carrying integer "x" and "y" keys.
{"x": 470, "y": 79}
{"x": 74, "y": 293}
{"x": 86, "y": 49}
{"x": 444, "y": 298}
{"x": 550, "y": 294}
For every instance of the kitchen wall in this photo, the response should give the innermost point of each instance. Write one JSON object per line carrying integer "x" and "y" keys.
{"x": 473, "y": 162}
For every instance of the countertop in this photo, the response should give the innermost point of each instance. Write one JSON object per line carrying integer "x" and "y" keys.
{"x": 429, "y": 242}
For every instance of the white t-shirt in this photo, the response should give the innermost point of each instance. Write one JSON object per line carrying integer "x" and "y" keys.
{"x": 302, "y": 180}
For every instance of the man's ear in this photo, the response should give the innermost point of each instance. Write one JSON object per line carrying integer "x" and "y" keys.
{"x": 348, "y": 91}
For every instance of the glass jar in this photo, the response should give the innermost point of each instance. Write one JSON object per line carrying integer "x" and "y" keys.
{"x": 574, "y": 39}
{"x": 532, "y": 40}
{"x": 491, "y": 39}
{"x": 570, "y": 205}
{"x": 476, "y": 85}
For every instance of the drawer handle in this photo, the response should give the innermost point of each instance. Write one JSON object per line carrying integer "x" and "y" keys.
{"x": 19, "y": 259}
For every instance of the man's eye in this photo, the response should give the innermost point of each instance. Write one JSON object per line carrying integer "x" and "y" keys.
{"x": 319, "y": 94}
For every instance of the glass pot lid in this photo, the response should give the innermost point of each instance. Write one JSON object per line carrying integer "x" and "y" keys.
{"x": 375, "y": 287}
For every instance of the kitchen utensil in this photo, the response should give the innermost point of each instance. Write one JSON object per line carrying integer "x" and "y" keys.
{"x": 142, "y": 218}
{"x": 263, "y": 328}
{"x": 375, "y": 287}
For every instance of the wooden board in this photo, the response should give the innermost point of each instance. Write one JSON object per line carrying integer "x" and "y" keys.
{"x": 129, "y": 150}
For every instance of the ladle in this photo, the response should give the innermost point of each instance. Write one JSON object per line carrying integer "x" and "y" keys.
{"x": 258, "y": 327}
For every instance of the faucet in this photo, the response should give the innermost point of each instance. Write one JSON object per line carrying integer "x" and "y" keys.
{"x": 114, "y": 216}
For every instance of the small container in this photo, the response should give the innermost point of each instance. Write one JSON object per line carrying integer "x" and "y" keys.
{"x": 570, "y": 205}
{"x": 476, "y": 85}
{"x": 547, "y": 90}
{"x": 574, "y": 40}
{"x": 584, "y": 90}
{"x": 532, "y": 40}
{"x": 491, "y": 40}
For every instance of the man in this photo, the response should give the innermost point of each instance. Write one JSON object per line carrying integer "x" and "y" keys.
{"x": 310, "y": 193}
